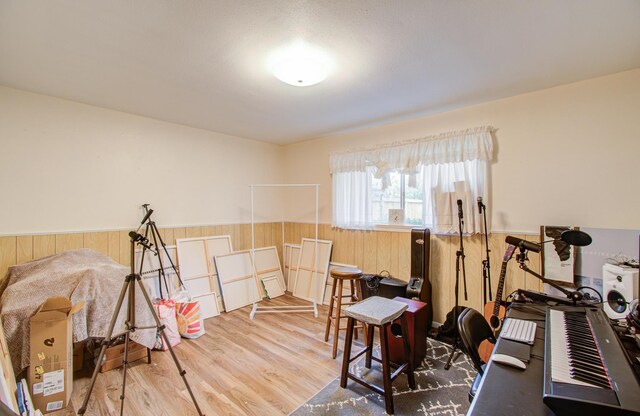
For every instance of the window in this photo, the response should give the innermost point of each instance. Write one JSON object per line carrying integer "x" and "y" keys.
{"x": 399, "y": 191}
{"x": 425, "y": 178}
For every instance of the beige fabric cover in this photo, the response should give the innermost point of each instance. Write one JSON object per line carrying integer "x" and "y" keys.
{"x": 376, "y": 310}
{"x": 80, "y": 275}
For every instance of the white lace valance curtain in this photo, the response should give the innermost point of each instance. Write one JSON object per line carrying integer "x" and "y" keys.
{"x": 408, "y": 156}
{"x": 452, "y": 166}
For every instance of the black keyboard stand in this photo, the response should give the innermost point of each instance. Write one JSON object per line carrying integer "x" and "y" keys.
{"x": 543, "y": 297}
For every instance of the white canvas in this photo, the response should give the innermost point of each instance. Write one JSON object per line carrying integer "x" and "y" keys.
{"x": 151, "y": 260}
{"x": 266, "y": 262}
{"x": 208, "y": 305}
{"x": 311, "y": 281}
{"x": 294, "y": 258}
{"x": 192, "y": 258}
{"x": 198, "y": 285}
{"x": 197, "y": 268}
{"x": 272, "y": 286}
{"x": 150, "y": 271}
{"x": 237, "y": 279}
{"x": 285, "y": 260}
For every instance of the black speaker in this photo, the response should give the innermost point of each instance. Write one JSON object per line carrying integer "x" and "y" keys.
{"x": 419, "y": 286}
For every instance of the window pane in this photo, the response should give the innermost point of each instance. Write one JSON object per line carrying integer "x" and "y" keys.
{"x": 385, "y": 195}
{"x": 414, "y": 199}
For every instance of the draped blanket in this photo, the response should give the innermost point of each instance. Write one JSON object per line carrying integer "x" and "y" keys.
{"x": 82, "y": 276}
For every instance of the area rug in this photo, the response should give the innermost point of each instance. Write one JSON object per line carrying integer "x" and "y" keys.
{"x": 438, "y": 391}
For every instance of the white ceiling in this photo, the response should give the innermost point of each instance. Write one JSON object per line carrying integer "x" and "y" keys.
{"x": 204, "y": 63}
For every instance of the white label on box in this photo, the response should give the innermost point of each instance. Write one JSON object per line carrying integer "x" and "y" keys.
{"x": 54, "y": 406}
{"x": 37, "y": 388}
{"x": 53, "y": 382}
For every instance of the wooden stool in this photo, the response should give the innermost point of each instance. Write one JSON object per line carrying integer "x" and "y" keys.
{"x": 340, "y": 275}
{"x": 377, "y": 312}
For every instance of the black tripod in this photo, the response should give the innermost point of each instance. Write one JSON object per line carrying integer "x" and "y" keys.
{"x": 459, "y": 261}
{"x": 486, "y": 263}
{"x": 130, "y": 323}
{"x": 151, "y": 227}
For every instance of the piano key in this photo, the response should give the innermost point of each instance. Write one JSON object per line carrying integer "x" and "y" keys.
{"x": 575, "y": 356}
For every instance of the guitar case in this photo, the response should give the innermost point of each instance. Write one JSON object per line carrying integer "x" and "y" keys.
{"x": 419, "y": 286}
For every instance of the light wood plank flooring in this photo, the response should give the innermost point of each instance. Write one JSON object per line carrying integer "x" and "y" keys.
{"x": 266, "y": 366}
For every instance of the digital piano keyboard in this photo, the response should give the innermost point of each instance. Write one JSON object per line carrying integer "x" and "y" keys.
{"x": 586, "y": 371}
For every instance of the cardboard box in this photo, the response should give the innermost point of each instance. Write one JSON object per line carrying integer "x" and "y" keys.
{"x": 78, "y": 356}
{"x": 51, "y": 354}
{"x": 114, "y": 356}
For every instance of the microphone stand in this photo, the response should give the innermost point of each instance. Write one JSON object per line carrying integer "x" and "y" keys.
{"x": 459, "y": 261}
{"x": 486, "y": 263}
{"x": 573, "y": 295}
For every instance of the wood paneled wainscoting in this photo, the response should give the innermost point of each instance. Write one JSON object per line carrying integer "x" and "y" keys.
{"x": 115, "y": 244}
{"x": 372, "y": 251}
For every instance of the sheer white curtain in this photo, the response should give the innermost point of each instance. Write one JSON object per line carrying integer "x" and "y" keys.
{"x": 352, "y": 205}
{"x": 453, "y": 166}
{"x": 444, "y": 184}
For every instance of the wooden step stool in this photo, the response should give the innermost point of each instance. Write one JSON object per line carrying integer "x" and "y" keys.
{"x": 340, "y": 275}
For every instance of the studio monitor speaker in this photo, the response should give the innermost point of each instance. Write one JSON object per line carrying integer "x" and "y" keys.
{"x": 619, "y": 287}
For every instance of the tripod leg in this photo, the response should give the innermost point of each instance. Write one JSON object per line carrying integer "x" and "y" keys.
{"x": 131, "y": 323}
{"x": 105, "y": 344}
{"x": 464, "y": 279}
{"x": 144, "y": 250}
{"x": 454, "y": 347}
{"x": 157, "y": 236}
{"x": 181, "y": 371}
{"x": 125, "y": 364}
{"x": 453, "y": 356}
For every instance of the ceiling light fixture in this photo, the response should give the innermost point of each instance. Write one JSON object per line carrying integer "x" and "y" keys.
{"x": 300, "y": 65}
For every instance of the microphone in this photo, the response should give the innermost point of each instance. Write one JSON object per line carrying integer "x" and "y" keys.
{"x": 459, "y": 208}
{"x": 524, "y": 244}
{"x": 480, "y": 205}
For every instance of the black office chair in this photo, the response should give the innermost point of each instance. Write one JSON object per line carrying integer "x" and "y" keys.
{"x": 474, "y": 329}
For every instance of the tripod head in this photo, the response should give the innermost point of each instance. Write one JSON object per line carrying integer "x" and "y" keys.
{"x": 140, "y": 239}
{"x": 147, "y": 214}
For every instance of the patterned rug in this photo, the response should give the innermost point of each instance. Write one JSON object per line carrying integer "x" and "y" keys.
{"x": 438, "y": 392}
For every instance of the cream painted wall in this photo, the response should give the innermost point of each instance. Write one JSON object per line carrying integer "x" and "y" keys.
{"x": 565, "y": 155}
{"x": 66, "y": 166}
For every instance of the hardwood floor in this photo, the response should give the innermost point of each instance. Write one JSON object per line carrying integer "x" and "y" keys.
{"x": 266, "y": 366}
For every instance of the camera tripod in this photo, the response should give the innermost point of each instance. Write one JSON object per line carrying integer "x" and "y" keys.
{"x": 150, "y": 227}
{"x": 128, "y": 288}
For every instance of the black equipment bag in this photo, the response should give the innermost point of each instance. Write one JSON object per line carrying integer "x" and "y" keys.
{"x": 382, "y": 285}
{"x": 450, "y": 327}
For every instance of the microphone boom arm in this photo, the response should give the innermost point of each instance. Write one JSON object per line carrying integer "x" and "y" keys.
{"x": 575, "y": 296}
